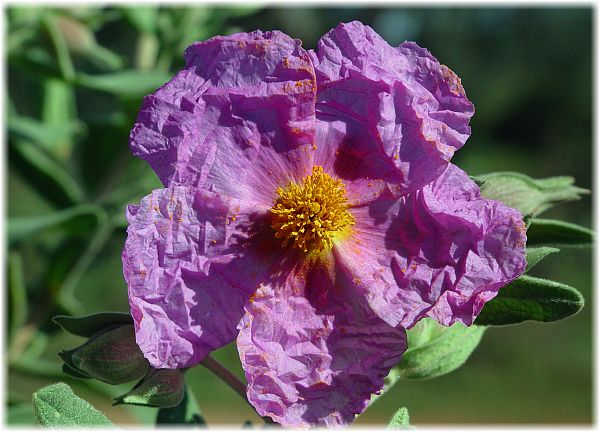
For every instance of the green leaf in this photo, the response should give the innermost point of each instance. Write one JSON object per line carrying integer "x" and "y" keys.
{"x": 242, "y": 10}
{"x": 435, "y": 350}
{"x": 184, "y": 413}
{"x": 400, "y": 420}
{"x": 36, "y": 62}
{"x": 74, "y": 220}
{"x": 24, "y": 14}
{"x": 89, "y": 325}
{"x": 59, "y": 115}
{"x": 536, "y": 254}
{"x": 66, "y": 298}
{"x": 50, "y": 135}
{"x": 20, "y": 37}
{"x": 17, "y": 292}
{"x": 529, "y": 196}
{"x": 531, "y": 298}
{"x": 550, "y": 232}
{"x": 56, "y": 405}
{"x": 68, "y": 264}
{"x": 44, "y": 173}
{"x": 423, "y": 332}
{"x": 60, "y": 47}
{"x": 147, "y": 49}
{"x": 59, "y": 102}
{"x": 129, "y": 83}
{"x": 78, "y": 220}
{"x": 81, "y": 41}
{"x": 196, "y": 23}
{"x": 56, "y": 138}
{"x": 143, "y": 18}
{"x": 103, "y": 58}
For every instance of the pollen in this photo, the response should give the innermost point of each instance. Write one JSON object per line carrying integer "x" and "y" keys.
{"x": 312, "y": 215}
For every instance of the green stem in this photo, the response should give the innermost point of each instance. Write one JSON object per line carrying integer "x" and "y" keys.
{"x": 147, "y": 49}
{"x": 230, "y": 379}
{"x": 225, "y": 374}
{"x": 60, "y": 46}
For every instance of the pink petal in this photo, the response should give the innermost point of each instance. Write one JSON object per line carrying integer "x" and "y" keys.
{"x": 395, "y": 110}
{"x": 191, "y": 260}
{"x": 312, "y": 353}
{"x": 237, "y": 120}
{"x": 442, "y": 251}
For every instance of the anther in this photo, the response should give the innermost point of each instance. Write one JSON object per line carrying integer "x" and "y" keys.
{"x": 312, "y": 215}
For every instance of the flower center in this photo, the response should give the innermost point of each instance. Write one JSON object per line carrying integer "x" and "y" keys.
{"x": 313, "y": 214}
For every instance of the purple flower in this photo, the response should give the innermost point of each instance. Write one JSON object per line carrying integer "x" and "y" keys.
{"x": 309, "y": 210}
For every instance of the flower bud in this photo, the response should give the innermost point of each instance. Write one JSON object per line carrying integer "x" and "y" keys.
{"x": 162, "y": 388}
{"x": 80, "y": 40}
{"x": 89, "y": 325}
{"x": 110, "y": 355}
{"x": 77, "y": 36}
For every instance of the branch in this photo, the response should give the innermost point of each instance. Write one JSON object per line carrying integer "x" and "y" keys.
{"x": 230, "y": 379}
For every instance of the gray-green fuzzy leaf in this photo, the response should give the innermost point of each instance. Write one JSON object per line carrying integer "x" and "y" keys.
{"x": 441, "y": 351}
{"x": 529, "y": 196}
{"x": 536, "y": 254}
{"x": 531, "y": 298}
{"x": 550, "y": 232}
{"x": 400, "y": 420}
{"x": 57, "y": 405}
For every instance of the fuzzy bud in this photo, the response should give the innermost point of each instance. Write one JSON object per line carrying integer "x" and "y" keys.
{"x": 162, "y": 388}
{"x": 111, "y": 353}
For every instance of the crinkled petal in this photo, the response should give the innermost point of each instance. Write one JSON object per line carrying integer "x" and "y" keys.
{"x": 237, "y": 120}
{"x": 442, "y": 251}
{"x": 396, "y": 112}
{"x": 311, "y": 353}
{"x": 191, "y": 260}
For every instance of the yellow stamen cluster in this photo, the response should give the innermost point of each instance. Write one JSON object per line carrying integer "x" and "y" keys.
{"x": 312, "y": 215}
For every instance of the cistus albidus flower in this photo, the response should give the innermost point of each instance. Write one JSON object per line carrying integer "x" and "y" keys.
{"x": 309, "y": 210}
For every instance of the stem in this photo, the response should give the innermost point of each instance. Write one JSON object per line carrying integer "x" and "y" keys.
{"x": 147, "y": 49}
{"x": 225, "y": 374}
{"x": 63, "y": 56}
{"x": 230, "y": 379}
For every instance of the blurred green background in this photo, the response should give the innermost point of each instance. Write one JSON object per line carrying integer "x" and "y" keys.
{"x": 75, "y": 82}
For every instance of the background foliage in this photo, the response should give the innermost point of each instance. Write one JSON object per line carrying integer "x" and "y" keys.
{"x": 75, "y": 82}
